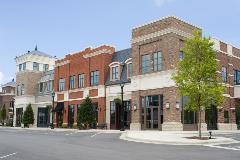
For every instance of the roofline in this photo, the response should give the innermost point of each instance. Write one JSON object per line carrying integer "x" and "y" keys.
{"x": 163, "y": 18}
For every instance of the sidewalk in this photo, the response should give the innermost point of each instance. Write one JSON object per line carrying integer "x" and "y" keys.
{"x": 62, "y": 129}
{"x": 176, "y": 138}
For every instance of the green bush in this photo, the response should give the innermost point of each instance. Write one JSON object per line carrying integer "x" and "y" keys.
{"x": 28, "y": 116}
{"x": 86, "y": 114}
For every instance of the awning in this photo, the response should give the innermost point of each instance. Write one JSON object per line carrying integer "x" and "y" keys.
{"x": 59, "y": 107}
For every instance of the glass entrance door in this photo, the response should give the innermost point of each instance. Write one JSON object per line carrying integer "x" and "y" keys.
{"x": 43, "y": 117}
{"x": 152, "y": 118}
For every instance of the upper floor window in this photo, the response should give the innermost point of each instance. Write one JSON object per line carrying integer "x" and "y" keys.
{"x": 81, "y": 80}
{"x": 129, "y": 70}
{"x": 236, "y": 77}
{"x": 18, "y": 90}
{"x": 22, "y": 90}
{"x": 94, "y": 78}
{"x": 50, "y": 86}
{"x": 146, "y": 63}
{"x": 41, "y": 87}
{"x": 20, "y": 67}
{"x": 45, "y": 67}
{"x": 115, "y": 73}
{"x": 157, "y": 61}
{"x": 181, "y": 55}
{"x": 224, "y": 74}
{"x": 24, "y": 66}
{"x": 72, "y": 82}
{"x": 35, "y": 66}
{"x": 61, "y": 84}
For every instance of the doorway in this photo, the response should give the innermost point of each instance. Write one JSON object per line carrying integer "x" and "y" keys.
{"x": 211, "y": 117}
{"x": 152, "y": 117}
{"x": 19, "y": 114}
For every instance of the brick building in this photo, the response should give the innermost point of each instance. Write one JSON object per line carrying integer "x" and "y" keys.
{"x": 79, "y": 75}
{"x": 7, "y": 100}
{"x": 151, "y": 100}
{"x": 155, "y": 53}
{"x": 33, "y": 86}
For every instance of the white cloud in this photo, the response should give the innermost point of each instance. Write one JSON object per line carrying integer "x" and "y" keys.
{"x": 160, "y": 3}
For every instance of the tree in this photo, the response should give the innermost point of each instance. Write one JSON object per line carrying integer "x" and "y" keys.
{"x": 28, "y": 116}
{"x": 196, "y": 76}
{"x": 86, "y": 114}
{"x": 3, "y": 114}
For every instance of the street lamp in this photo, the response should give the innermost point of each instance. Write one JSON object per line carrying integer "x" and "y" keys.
{"x": 13, "y": 100}
{"x": 53, "y": 96}
{"x": 122, "y": 108}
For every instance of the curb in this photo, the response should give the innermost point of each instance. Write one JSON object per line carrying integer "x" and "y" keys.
{"x": 126, "y": 138}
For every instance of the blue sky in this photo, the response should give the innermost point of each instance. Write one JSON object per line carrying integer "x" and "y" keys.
{"x": 62, "y": 26}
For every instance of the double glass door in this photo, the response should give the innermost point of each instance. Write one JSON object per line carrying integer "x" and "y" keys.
{"x": 152, "y": 117}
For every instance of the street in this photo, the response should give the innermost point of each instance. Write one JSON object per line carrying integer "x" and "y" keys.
{"x": 19, "y": 144}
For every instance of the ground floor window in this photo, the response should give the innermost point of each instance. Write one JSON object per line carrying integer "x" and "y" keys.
{"x": 70, "y": 115}
{"x": 226, "y": 116}
{"x": 43, "y": 117}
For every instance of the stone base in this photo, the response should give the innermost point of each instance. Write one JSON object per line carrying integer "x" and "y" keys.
{"x": 172, "y": 126}
{"x": 227, "y": 126}
{"x": 135, "y": 126}
{"x": 65, "y": 125}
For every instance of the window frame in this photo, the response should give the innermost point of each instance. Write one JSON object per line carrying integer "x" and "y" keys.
{"x": 81, "y": 78}
{"x": 72, "y": 82}
{"x": 35, "y": 66}
{"x": 224, "y": 74}
{"x": 157, "y": 61}
{"x": 61, "y": 84}
{"x": 94, "y": 78}
{"x": 145, "y": 71}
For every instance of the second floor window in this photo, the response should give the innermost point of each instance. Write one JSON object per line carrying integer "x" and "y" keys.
{"x": 94, "y": 78}
{"x": 224, "y": 74}
{"x": 61, "y": 84}
{"x": 81, "y": 80}
{"x": 236, "y": 77}
{"x": 72, "y": 82}
{"x": 129, "y": 70}
{"x": 157, "y": 61}
{"x": 24, "y": 66}
{"x": 45, "y": 67}
{"x": 41, "y": 87}
{"x": 20, "y": 67}
{"x": 115, "y": 73}
{"x": 146, "y": 63}
{"x": 50, "y": 85}
{"x": 35, "y": 66}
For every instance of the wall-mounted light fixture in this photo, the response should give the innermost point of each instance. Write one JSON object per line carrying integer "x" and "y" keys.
{"x": 177, "y": 105}
{"x": 135, "y": 107}
{"x": 167, "y": 105}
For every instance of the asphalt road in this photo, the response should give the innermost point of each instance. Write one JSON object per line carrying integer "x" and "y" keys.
{"x": 50, "y": 145}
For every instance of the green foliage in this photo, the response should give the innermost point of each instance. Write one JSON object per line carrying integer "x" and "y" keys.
{"x": 28, "y": 116}
{"x": 196, "y": 75}
{"x": 86, "y": 114}
{"x": 3, "y": 114}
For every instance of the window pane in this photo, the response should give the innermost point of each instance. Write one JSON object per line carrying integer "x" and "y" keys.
{"x": 130, "y": 70}
{"x": 157, "y": 61}
{"x": 146, "y": 63}
{"x": 224, "y": 74}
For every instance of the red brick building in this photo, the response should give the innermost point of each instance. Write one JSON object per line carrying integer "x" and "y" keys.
{"x": 79, "y": 75}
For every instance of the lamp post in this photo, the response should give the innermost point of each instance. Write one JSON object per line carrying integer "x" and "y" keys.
{"x": 122, "y": 108}
{"x": 13, "y": 101}
{"x": 53, "y": 96}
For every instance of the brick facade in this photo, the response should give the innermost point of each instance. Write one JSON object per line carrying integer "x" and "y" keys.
{"x": 83, "y": 62}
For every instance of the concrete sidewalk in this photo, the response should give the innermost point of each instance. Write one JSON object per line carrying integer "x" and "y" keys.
{"x": 176, "y": 138}
{"x": 63, "y": 130}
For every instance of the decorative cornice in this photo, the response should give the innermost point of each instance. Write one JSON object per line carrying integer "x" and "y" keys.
{"x": 102, "y": 51}
{"x": 62, "y": 63}
{"x": 161, "y": 33}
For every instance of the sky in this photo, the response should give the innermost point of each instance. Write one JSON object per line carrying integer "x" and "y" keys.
{"x": 59, "y": 27}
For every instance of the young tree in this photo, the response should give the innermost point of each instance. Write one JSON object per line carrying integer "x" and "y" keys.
{"x": 196, "y": 76}
{"x": 28, "y": 116}
{"x": 3, "y": 114}
{"x": 86, "y": 114}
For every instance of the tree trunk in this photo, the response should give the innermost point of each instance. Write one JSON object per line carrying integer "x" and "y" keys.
{"x": 199, "y": 122}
